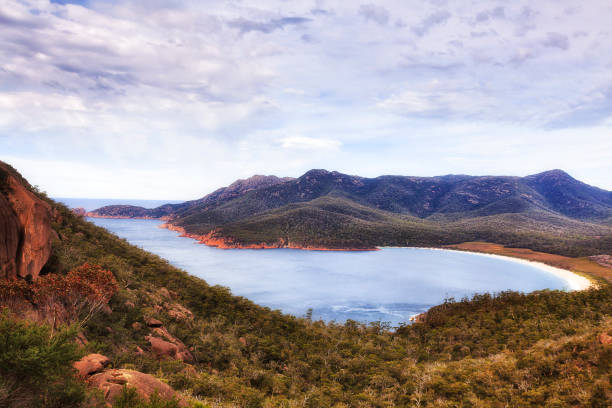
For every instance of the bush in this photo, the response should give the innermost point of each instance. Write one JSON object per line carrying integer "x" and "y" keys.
{"x": 36, "y": 366}
{"x": 129, "y": 398}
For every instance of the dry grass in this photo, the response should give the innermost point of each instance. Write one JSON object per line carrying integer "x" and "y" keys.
{"x": 580, "y": 265}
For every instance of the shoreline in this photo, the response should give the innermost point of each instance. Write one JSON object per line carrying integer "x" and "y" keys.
{"x": 574, "y": 280}
{"x": 224, "y": 243}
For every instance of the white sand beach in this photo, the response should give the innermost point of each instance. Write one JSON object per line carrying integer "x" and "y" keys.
{"x": 574, "y": 281}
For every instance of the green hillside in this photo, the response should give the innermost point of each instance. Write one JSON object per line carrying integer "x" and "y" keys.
{"x": 549, "y": 212}
{"x": 547, "y": 348}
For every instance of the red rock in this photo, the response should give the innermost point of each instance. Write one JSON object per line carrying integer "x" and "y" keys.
{"x": 80, "y": 211}
{"x": 91, "y": 364}
{"x": 152, "y": 322}
{"x": 25, "y": 229}
{"x": 164, "y": 345}
{"x": 243, "y": 341}
{"x": 162, "y": 348}
{"x": 111, "y": 383}
{"x": 177, "y": 311}
{"x": 605, "y": 339}
{"x": 139, "y": 351}
{"x": 136, "y": 326}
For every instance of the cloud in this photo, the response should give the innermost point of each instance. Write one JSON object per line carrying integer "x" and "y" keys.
{"x": 486, "y": 15}
{"x": 437, "y": 18}
{"x": 439, "y": 100}
{"x": 309, "y": 143}
{"x": 556, "y": 40}
{"x": 372, "y": 12}
{"x": 268, "y": 26}
{"x": 228, "y": 89}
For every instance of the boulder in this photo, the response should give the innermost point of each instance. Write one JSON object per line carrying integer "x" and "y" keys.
{"x": 111, "y": 383}
{"x": 25, "y": 228}
{"x": 605, "y": 339}
{"x": 166, "y": 346}
{"x": 152, "y": 322}
{"x": 177, "y": 311}
{"x": 91, "y": 364}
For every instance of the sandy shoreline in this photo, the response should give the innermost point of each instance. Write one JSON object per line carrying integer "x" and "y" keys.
{"x": 574, "y": 281}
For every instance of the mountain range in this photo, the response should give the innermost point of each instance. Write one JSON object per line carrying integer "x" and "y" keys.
{"x": 549, "y": 211}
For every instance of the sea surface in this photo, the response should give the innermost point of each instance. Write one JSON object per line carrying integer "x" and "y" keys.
{"x": 389, "y": 285}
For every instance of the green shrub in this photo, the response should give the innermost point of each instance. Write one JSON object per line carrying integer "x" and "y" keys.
{"x": 36, "y": 366}
{"x": 129, "y": 398}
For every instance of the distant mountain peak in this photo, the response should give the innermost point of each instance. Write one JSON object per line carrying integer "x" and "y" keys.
{"x": 554, "y": 173}
{"x": 316, "y": 173}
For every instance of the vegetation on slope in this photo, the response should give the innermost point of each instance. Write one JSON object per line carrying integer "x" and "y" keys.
{"x": 549, "y": 212}
{"x": 548, "y": 348}
{"x": 516, "y": 350}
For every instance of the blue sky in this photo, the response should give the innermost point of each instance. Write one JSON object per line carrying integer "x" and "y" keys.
{"x": 170, "y": 100}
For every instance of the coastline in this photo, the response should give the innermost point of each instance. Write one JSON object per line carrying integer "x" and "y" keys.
{"x": 574, "y": 280}
{"x": 223, "y": 243}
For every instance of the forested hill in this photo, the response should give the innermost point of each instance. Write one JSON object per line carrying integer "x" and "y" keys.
{"x": 145, "y": 334}
{"x": 549, "y": 211}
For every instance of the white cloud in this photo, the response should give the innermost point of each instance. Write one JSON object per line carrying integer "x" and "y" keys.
{"x": 302, "y": 142}
{"x": 155, "y": 95}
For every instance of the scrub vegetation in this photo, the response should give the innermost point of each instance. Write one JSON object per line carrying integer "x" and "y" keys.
{"x": 547, "y": 348}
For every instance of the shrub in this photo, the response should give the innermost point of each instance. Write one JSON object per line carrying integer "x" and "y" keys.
{"x": 36, "y": 366}
{"x": 129, "y": 398}
{"x": 80, "y": 294}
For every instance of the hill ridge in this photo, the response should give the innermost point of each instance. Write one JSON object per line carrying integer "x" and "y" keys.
{"x": 361, "y": 212}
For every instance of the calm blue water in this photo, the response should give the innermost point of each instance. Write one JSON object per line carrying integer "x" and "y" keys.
{"x": 91, "y": 204}
{"x": 388, "y": 285}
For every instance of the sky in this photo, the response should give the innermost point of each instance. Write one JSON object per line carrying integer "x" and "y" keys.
{"x": 173, "y": 99}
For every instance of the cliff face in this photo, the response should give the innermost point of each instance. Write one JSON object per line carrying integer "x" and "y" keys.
{"x": 25, "y": 229}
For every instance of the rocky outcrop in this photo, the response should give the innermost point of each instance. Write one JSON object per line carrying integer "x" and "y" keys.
{"x": 111, "y": 383}
{"x": 91, "y": 364}
{"x": 153, "y": 322}
{"x": 25, "y": 228}
{"x": 177, "y": 311}
{"x": 605, "y": 339}
{"x": 165, "y": 346}
{"x": 80, "y": 211}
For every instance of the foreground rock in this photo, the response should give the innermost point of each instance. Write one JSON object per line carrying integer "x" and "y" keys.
{"x": 165, "y": 346}
{"x": 91, "y": 364}
{"x": 111, "y": 383}
{"x": 605, "y": 339}
{"x": 25, "y": 228}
